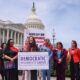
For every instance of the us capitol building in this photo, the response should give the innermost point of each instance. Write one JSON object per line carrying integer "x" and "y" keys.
{"x": 15, "y": 31}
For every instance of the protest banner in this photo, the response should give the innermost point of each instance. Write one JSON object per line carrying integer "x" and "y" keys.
{"x": 33, "y": 61}
{"x": 39, "y": 35}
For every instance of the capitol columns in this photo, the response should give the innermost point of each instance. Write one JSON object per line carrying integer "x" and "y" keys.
{"x": 11, "y": 36}
{"x": 21, "y": 40}
{"x": 15, "y": 37}
{"x": 18, "y": 38}
{"x": 0, "y": 36}
{"x": 3, "y": 35}
{"x": 7, "y": 34}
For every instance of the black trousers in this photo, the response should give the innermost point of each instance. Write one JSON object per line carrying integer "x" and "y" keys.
{"x": 2, "y": 74}
{"x": 11, "y": 74}
{"x": 2, "y": 71}
{"x": 33, "y": 74}
{"x": 60, "y": 72}
{"x": 74, "y": 69}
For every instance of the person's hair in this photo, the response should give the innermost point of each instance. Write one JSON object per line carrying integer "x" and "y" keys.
{"x": 47, "y": 40}
{"x": 2, "y": 45}
{"x": 8, "y": 44}
{"x": 34, "y": 42}
{"x": 59, "y": 43}
{"x": 75, "y": 43}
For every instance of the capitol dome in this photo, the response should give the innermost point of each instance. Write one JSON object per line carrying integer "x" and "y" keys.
{"x": 33, "y": 21}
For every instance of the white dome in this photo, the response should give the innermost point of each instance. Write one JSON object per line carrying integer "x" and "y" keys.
{"x": 33, "y": 21}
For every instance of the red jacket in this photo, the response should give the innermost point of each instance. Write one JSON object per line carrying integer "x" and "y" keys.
{"x": 62, "y": 49}
{"x": 49, "y": 46}
{"x": 75, "y": 54}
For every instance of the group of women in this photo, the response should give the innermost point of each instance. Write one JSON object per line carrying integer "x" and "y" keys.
{"x": 8, "y": 56}
{"x": 59, "y": 55}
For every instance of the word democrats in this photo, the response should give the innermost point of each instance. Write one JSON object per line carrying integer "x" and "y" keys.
{"x": 32, "y": 58}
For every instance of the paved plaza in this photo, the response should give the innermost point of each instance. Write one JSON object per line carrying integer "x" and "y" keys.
{"x": 52, "y": 78}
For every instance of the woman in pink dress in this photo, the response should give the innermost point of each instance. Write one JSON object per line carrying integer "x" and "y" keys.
{"x": 26, "y": 73}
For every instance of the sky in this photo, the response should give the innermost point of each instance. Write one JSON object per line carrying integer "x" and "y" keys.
{"x": 62, "y": 16}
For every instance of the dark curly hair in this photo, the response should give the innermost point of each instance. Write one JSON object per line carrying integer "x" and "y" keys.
{"x": 2, "y": 45}
{"x": 8, "y": 44}
{"x": 75, "y": 42}
{"x": 59, "y": 43}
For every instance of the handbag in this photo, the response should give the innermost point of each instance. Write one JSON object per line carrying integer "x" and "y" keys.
{"x": 9, "y": 65}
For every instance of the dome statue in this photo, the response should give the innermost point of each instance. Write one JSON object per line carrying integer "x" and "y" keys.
{"x": 33, "y": 21}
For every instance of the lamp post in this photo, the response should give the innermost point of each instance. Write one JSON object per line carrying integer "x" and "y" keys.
{"x": 53, "y": 37}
